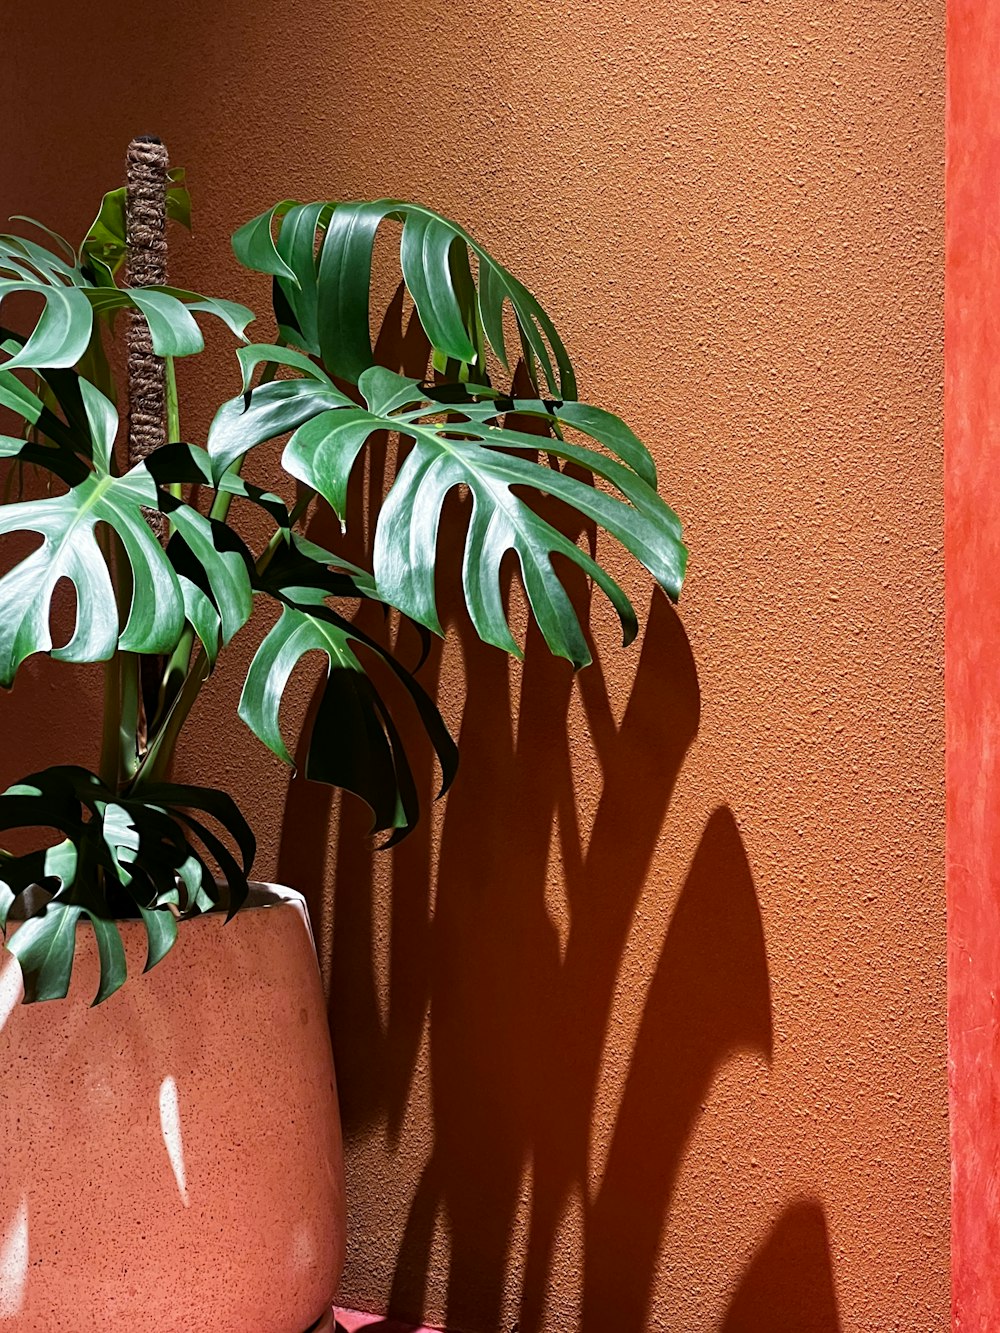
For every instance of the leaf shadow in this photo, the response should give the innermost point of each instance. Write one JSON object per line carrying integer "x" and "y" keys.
{"x": 520, "y": 997}
{"x": 709, "y": 998}
{"x": 788, "y": 1285}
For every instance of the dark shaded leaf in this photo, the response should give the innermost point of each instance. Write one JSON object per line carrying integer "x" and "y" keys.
{"x": 354, "y": 742}
{"x": 155, "y": 845}
{"x": 111, "y": 953}
{"x": 44, "y": 946}
{"x": 272, "y": 409}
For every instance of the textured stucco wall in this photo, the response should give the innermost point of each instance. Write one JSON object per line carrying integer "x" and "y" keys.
{"x": 647, "y": 1030}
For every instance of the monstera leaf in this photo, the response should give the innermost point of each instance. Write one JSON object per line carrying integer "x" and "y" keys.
{"x": 62, "y": 332}
{"x": 272, "y": 409}
{"x": 155, "y": 853}
{"x": 71, "y": 549}
{"x": 72, "y": 299}
{"x": 18, "y": 398}
{"x": 320, "y": 256}
{"x": 458, "y": 440}
{"x": 355, "y": 742}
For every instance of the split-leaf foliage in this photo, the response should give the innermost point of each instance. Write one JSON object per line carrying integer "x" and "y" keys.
{"x": 125, "y": 841}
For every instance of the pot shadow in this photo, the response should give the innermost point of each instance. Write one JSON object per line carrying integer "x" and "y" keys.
{"x": 520, "y": 988}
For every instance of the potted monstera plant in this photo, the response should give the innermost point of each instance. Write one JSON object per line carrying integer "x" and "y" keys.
{"x": 185, "y": 1123}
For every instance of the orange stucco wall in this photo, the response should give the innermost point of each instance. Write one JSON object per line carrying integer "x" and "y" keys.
{"x": 647, "y": 1029}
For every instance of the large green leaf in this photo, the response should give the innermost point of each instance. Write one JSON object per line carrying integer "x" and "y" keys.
{"x": 459, "y": 440}
{"x": 320, "y": 256}
{"x": 270, "y": 410}
{"x": 62, "y": 331}
{"x": 64, "y": 328}
{"x": 150, "y": 852}
{"x": 74, "y": 292}
{"x": 44, "y": 946}
{"x": 167, "y": 310}
{"x": 71, "y": 549}
{"x": 354, "y": 742}
{"x": 24, "y": 258}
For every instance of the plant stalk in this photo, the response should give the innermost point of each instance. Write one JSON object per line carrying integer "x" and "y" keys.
{"x": 180, "y": 659}
{"x": 173, "y": 420}
{"x": 108, "y": 767}
{"x": 176, "y": 710}
{"x": 182, "y": 678}
{"x": 119, "y": 732}
{"x": 128, "y": 727}
{"x": 156, "y": 759}
{"x": 298, "y": 509}
{"x": 146, "y": 266}
{"x": 173, "y": 407}
{"x": 149, "y": 380}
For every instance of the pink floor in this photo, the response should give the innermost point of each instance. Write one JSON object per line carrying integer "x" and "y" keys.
{"x": 352, "y": 1322}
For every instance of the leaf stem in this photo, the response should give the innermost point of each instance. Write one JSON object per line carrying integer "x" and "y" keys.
{"x": 174, "y": 672}
{"x": 173, "y": 410}
{"x": 179, "y": 660}
{"x": 182, "y": 677}
{"x": 173, "y": 435}
{"x": 128, "y": 726}
{"x": 173, "y": 415}
{"x": 119, "y": 731}
{"x": 176, "y": 711}
{"x": 298, "y": 509}
{"x": 157, "y": 757}
{"x": 108, "y": 768}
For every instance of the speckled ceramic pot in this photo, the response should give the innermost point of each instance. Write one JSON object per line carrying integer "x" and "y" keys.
{"x": 172, "y": 1158}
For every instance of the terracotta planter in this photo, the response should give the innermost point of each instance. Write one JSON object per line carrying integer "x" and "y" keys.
{"x": 172, "y": 1158}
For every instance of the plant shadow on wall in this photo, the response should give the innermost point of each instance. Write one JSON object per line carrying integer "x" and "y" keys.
{"x": 518, "y": 1015}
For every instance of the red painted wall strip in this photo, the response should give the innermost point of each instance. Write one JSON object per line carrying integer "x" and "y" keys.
{"x": 972, "y": 655}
